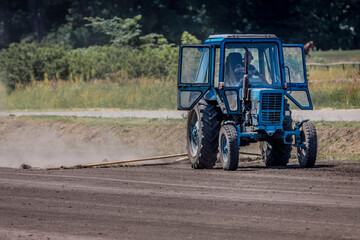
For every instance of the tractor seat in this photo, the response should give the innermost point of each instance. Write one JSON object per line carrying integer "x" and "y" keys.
{"x": 233, "y": 61}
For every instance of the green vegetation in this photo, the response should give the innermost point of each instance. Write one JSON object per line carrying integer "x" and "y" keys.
{"x": 335, "y": 87}
{"x": 26, "y": 64}
{"x": 335, "y": 56}
{"x": 136, "y": 94}
{"x": 339, "y": 156}
{"x": 134, "y": 71}
{"x": 330, "y": 24}
{"x": 122, "y": 92}
{"x": 336, "y": 124}
{"x": 335, "y": 94}
{"x": 129, "y": 55}
{"x": 334, "y": 73}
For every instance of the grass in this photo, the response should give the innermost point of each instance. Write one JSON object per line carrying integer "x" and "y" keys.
{"x": 137, "y": 94}
{"x": 320, "y": 73}
{"x": 335, "y": 56}
{"x": 339, "y": 156}
{"x": 149, "y": 96}
{"x": 334, "y": 87}
{"x": 335, "y": 94}
{"x": 336, "y": 124}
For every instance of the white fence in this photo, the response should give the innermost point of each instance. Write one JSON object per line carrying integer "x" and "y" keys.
{"x": 327, "y": 65}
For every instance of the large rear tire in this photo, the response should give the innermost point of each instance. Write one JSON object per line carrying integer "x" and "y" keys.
{"x": 275, "y": 152}
{"x": 229, "y": 147}
{"x": 307, "y": 154}
{"x": 203, "y": 127}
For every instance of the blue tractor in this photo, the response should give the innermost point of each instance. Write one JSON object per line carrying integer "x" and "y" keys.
{"x": 236, "y": 89}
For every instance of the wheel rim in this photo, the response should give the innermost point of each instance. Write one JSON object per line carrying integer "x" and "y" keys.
{"x": 266, "y": 149}
{"x": 194, "y": 135}
{"x": 224, "y": 149}
{"x": 302, "y": 151}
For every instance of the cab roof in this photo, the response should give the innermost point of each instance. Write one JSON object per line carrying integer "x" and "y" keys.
{"x": 218, "y": 38}
{"x": 244, "y": 36}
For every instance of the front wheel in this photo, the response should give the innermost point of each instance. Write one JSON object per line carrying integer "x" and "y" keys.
{"x": 228, "y": 147}
{"x": 307, "y": 153}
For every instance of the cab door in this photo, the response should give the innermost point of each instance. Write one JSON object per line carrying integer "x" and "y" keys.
{"x": 194, "y": 74}
{"x": 296, "y": 78}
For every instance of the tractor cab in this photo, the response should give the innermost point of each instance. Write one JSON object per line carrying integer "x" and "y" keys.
{"x": 218, "y": 66}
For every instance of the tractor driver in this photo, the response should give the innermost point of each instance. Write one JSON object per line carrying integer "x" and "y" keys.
{"x": 252, "y": 71}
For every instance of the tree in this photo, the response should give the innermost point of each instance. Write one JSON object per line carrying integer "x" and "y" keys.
{"x": 122, "y": 32}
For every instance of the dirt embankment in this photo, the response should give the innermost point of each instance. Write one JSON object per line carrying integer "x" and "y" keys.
{"x": 49, "y": 142}
{"x": 53, "y": 143}
{"x": 339, "y": 140}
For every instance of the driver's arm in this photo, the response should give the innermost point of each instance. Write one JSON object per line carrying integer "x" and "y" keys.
{"x": 255, "y": 72}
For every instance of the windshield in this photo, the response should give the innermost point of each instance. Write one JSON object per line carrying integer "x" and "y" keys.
{"x": 263, "y": 69}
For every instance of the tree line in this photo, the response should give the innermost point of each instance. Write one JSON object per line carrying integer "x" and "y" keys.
{"x": 330, "y": 24}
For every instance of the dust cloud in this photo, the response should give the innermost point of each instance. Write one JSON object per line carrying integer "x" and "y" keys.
{"x": 45, "y": 148}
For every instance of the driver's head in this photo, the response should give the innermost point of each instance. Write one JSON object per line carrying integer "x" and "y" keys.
{"x": 250, "y": 58}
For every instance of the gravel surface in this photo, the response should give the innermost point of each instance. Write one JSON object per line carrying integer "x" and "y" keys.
{"x": 177, "y": 202}
{"x": 315, "y": 115}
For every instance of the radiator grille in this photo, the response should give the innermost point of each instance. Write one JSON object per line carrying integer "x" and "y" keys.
{"x": 271, "y": 107}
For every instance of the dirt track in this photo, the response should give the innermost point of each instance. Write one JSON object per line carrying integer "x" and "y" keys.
{"x": 176, "y": 202}
{"x": 166, "y": 202}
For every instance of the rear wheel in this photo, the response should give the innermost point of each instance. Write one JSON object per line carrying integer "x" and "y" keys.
{"x": 229, "y": 148}
{"x": 307, "y": 153}
{"x": 275, "y": 152}
{"x": 202, "y": 135}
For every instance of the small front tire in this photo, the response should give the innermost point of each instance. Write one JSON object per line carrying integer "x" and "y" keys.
{"x": 307, "y": 154}
{"x": 228, "y": 147}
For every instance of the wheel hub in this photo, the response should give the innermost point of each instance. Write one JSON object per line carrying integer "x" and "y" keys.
{"x": 194, "y": 135}
{"x": 224, "y": 145}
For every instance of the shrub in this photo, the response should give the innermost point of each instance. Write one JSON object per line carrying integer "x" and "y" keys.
{"x": 26, "y": 62}
{"x": 23, "y": 63}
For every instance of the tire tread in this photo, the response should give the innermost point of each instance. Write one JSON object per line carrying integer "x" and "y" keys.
{"x": 210, "y": 127}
